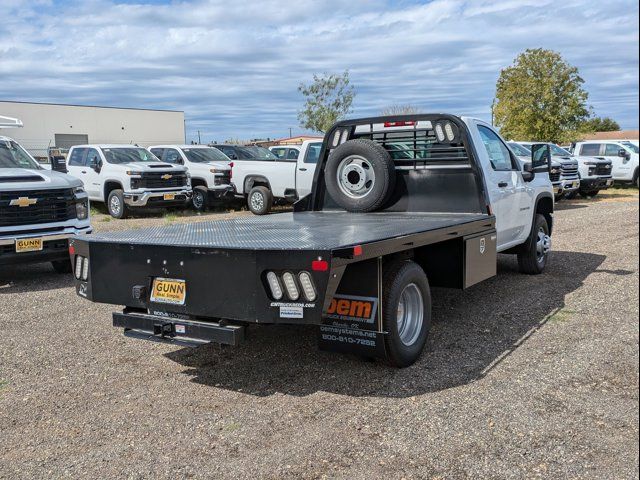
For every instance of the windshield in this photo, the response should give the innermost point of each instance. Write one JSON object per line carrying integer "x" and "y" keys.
{"x": 204, "y": 155}
{"x": 128, "y": 155}
{"x": 630, "y": 146}
{"x": 519, "y": 150}
{"x": 556, "y": 151}
{"x": 13, "y": 155}
{"x": 259, "y": 153}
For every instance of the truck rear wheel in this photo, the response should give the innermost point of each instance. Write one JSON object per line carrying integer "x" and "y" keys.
{"x": 360, "y": 175}
{"x": 62, "y": 266}
{"x": 260, "y": 200}
{"x": 115, "y": 204}
{"x": 406, "y": 316}
{"x": 200, "y": 198}
{"x": 533, "y": 258}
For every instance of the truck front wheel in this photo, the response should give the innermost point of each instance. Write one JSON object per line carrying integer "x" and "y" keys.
{"x": 533, "y": 258}
{"x": 406, "y": 316}
{"x": 200, "y": 198}
{"x": 260, "y": 200}
{"x": 588, "y": 193}
{"x": 115, "y": 204}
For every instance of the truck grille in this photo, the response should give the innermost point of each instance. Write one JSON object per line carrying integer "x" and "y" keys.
{"x": 554, "y": 177}
{"x": 49, "y": 206}
{"x": 603, "y": 169}
{"x": 161, "y": 180}
{"x": 569, "y": 170}
{"x": 223, "y": 179}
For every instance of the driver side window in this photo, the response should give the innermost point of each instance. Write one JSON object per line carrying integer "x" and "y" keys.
{"x": 498, "y": 152}
{"x": 172, "y": 156}
{"x": 93, "y": 157}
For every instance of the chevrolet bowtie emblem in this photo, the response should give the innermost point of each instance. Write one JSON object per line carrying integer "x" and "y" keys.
{"x": 166, "y": 176}
{"x": 23, "y": 202}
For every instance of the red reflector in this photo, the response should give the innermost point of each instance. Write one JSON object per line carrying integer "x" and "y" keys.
{"x": 72, "y": 250}
{"x": 399, "y": 124}
{"x": 319, "y": 265}
{"x": 231, "y": 171}
{"x": 357, "y": 250}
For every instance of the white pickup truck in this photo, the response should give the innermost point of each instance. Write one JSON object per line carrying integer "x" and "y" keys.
{"x": 40, "y": 210}
{"x": 127, "y": 176}
{"x": 210, "y": 171}
{"x": 622, "y": 154}
{"x": 266, "y": 178}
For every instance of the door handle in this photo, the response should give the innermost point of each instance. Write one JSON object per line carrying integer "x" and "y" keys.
{"x": 84, "y": 171}
{"x": 503, "y": 184}
{"x": 302, "y": 169}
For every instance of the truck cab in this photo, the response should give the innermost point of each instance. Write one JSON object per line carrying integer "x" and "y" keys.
{"x": 40, "y": 210}
{"x": 127, "y": 177}
{"x": 266, "y": 179}
{"x": 210, "y": 171}
{"x": 623, "y": 155}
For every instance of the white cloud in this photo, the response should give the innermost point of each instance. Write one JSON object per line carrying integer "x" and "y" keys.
{"x": 234, "y": 67}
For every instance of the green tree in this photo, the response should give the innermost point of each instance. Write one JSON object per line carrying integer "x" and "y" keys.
{"x": 328, "y": 99}
{"x": 602, "y": 124}
{"x": 540, "y": 97}
{"x": 400, "y": 110}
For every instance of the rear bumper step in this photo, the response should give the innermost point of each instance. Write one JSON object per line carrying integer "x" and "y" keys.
{"x": 178, "y": 331}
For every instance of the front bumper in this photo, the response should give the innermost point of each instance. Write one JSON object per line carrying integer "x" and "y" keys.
{"x": 222, "y": 192}
{"x": 566, "y": 186}
{"x": 592, "y": 183}
{"x": 55, "y": 246}
{"x": 157, "y": 198}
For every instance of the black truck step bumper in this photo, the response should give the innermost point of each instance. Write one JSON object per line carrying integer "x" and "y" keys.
{"x": 178, "y": 331}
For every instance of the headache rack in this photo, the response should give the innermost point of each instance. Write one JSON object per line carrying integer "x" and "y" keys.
{"x": 415, "y": 146}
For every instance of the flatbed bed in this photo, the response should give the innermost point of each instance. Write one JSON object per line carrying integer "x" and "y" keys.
{"x": 324, "y": 230}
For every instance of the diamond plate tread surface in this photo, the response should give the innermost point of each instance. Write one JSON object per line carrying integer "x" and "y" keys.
{"x": 289, "y": 231}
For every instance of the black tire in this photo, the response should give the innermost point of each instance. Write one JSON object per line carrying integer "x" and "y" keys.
{"x": 529, "y": 261}
{"x": 571, "y": 195}
{"x": 200, "y": 198}
{"x": 115, "y": 204}
{"x": 260, "y": 200}
{"x": 361, "y": 156}
{"x": 588, "y": 193}
{"x": 396, "y": 276}
{"x": 62, "y": 266}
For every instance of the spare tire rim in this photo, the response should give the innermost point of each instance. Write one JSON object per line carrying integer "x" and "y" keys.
{"x": 355, "y": 176}
{"x": 410, "y": 314}
{"x": 114, "y": 203}
{"x": 257, "y": 201}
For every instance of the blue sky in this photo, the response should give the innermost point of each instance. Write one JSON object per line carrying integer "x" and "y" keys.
{"x": 234, "y": 67}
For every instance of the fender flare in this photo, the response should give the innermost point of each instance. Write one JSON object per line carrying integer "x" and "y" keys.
{"x": 251, "y": 180}
{"x": 108, "y": 181}
{"x": 545, "y": 205}
{"x": 199, "y": 181}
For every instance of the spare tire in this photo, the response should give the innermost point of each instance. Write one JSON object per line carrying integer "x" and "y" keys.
{"x": 360, "y": 176}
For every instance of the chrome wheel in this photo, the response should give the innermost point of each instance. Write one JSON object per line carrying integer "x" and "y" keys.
{"x": 410, "y": 314}
{"x": 257, "y": 201}
{"x": 114, "y": 205}
{"x": 355, "y": 176}
{"x": 543, "y": 245}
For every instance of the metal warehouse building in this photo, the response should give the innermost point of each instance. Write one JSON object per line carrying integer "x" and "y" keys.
{"x": 48, "y": 125}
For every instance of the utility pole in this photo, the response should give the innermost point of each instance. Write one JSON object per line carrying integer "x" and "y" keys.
{"x": 199, "y": 142}
{"x": 290, "y": 135}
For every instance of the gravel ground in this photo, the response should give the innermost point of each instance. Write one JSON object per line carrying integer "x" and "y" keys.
{"x": 523, "y": 377}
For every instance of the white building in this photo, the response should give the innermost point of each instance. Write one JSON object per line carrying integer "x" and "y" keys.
{"x": 48, "y": 125}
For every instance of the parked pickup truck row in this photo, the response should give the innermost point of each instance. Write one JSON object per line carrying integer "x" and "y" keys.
{"x": 397, "y": 205}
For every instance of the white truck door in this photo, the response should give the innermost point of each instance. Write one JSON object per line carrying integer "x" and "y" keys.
{"x": 306, "y": 168}
{"x": 77, "y": 167}
{"x": 620, "y": 166}
{"x": 92, "y": 183}
{"x": 507, "y": 190}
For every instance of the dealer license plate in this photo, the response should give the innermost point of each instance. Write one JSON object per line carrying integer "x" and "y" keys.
{"x": 168, "y": 290}
{"x": 609, "y": 182}
{"x": 169, "y": 196}
{"x": 28, "y": 245}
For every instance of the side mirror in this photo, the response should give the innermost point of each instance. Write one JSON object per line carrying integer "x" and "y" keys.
{"x": 95, "y": 164}
{"x": 540, "y": 158}
{"x": 527, "y": 172}
{"x": 623, "y": 153}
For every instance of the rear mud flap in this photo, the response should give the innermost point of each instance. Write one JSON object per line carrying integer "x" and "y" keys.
{"x": 353, "y": 321}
